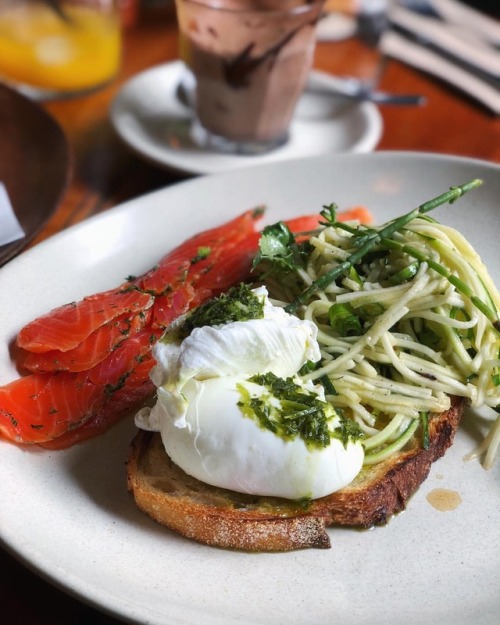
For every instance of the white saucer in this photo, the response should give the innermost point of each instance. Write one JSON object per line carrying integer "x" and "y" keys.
{"x": 149, "y": 116}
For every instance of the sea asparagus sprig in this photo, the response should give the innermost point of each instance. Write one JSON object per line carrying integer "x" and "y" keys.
{"x": 374, "y": 237}
{"x": 490, "y": 312}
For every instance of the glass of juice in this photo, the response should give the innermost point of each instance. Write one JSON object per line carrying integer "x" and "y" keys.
{"x": 57, "y": 48}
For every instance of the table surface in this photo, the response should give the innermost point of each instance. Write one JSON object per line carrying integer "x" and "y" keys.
{"x": 106, "y": 173}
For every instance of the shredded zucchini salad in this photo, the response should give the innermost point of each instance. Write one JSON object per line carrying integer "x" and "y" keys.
{"x": 407, "y": 317}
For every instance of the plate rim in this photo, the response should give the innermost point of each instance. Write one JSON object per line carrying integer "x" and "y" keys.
{"x": 129, "y": 204}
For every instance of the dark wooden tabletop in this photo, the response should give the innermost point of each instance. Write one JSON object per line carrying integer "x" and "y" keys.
{"x": 105, "y": 173}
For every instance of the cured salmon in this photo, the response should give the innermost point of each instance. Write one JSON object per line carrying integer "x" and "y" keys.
{"x": 129, "y": 397}
{"x": 93, "y": 350}
{"x": 197, "y": 270}
{"x": 67, "y": 326}
{"x": 42, "y": 406}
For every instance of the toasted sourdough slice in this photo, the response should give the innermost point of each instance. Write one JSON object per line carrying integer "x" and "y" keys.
{"x": 227, "y": 519}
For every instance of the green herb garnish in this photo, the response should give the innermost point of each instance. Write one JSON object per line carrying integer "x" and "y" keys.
{"x": 279, "y": 250}
{"x": 202, "y": 253}
{"x": 238, "y": 304}
{"x": 289, "y": 410}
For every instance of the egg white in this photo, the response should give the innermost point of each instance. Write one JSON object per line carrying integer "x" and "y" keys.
{"x": 220, "y": 446}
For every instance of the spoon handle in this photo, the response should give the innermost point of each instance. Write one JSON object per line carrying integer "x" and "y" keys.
{"x": 396, "y": 99}
{"x": 353, "y": 89}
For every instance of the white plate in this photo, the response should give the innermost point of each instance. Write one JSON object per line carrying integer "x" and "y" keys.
{"x": 151, "y": 119}
{"x": 68, "y": 515}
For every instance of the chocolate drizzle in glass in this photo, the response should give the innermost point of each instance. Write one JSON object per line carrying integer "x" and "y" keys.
{"x": 238, "y": 70}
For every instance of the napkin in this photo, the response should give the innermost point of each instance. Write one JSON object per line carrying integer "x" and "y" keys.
{"x": 451, "y": 41}
{"x": 10, "y": 228}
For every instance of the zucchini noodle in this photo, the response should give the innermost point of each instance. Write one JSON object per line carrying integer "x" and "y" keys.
{"x": 421, "y": 336}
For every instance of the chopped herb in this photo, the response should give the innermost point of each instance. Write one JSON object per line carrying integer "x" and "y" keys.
{"x": 348, "y": 430}
{"x": 374, "y": 309}
{"x": 354, "y": 276}
{"x": 404, "y": 275}
{"x": 308, "y": 367}
{"x": 202, "y": 253}
{"x": 290, "y": 411}
{"x": 304, "y": 503}
{"x": 238, "y": 304}
{"x": 343, "y": 321}
{"x": 299, "y": 413}
{"x": 109, "y": 389}
{"x": 328, "y": 385}
{"x": 429, "y": 338}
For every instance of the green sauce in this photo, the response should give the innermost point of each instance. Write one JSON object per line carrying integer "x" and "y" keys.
{"x": 238, "y": 304}
{"x": 290, "y": 411}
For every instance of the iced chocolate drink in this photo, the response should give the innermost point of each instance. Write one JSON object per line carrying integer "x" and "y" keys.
{"x": 250, "y": 60}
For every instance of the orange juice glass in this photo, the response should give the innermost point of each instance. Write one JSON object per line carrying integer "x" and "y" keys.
{"x": 52, "y": 48}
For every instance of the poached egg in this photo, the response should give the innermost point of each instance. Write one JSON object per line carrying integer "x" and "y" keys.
{"x": 201, "y": 382}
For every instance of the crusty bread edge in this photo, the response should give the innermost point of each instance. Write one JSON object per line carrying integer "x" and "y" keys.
{"x": 219, "y": 526}
{"x": 278, "y": 525}
{"x": 372, "y": 500}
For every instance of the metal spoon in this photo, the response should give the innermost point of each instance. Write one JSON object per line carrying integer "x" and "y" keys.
{"x": 354, "y": 89}
{"x": 348, "y": 89}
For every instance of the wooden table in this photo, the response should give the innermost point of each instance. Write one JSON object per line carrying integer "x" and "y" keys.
{"x": 106, "y": 173}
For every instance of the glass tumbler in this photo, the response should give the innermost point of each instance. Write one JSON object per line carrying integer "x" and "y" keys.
{"x": 250, "y": 60}
{"x": 57, "y": 48}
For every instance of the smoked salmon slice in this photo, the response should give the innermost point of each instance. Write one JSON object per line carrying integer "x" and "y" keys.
{"x": 93, "y": 350}
{"x": 178, "y": 281}
{"x": 42, "y": 406}
{"x": 67, "y": 326}
{"x": 130, "y": 397}
{"x": 198, "y": 251}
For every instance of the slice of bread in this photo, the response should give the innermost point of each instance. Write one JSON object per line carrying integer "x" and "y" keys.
{"x": 223, "y": 518}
